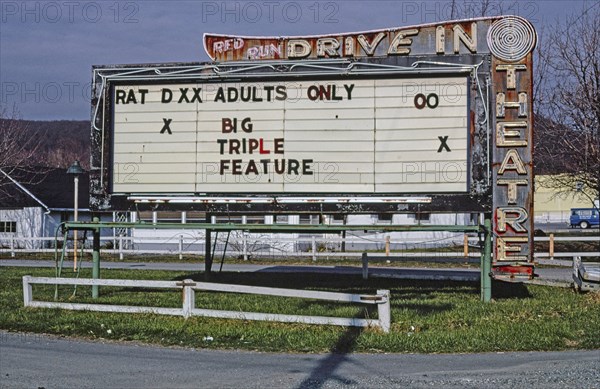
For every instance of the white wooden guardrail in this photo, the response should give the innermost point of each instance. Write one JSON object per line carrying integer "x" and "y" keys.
{"x": 189, "y": 287}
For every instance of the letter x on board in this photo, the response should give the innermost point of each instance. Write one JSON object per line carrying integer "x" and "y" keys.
{"x": 443, "y": 144}
{"x": 166, "y": 126}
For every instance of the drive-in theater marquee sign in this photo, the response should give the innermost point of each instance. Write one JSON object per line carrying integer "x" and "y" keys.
{"x": 427, "y": 118}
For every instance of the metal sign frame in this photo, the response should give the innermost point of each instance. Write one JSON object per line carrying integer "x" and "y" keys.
{"x": 470, "y": 200}
{"x": 495, "y": 53}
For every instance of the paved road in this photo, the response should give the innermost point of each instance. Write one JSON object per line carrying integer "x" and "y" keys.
{"x": 552, "y": 275}
{"x": 562, "y": 227}
{"x": 38, "y": 361}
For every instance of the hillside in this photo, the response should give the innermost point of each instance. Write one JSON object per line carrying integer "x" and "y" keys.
{"x": 60, "y": 142}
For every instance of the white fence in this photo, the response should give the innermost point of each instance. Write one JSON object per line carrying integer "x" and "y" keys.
{"x": 552, "y": 253}
{"x": 188, "y": 309}
{"x": 245, "y": 245}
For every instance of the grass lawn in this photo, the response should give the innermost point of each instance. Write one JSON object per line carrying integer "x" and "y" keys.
{"x": 427, "y": 316}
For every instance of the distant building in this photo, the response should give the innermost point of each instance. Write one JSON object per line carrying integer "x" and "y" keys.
{"x": 550, "y": 206}
{"x": 36, "y": 210}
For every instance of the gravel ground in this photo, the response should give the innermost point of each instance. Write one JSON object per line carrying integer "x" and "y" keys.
{"x": 40, "y": 361}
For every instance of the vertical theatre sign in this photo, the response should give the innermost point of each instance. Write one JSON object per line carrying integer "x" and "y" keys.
{"x": 511, "y": 42}
{"x": 427, "y": 118}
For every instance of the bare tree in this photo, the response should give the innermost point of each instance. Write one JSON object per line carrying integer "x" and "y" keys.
{"x": 18, "y": 154}
{"x": 473, "y": 9}
{"x": 568, "y": 104}
{"x": 65, "y": 154}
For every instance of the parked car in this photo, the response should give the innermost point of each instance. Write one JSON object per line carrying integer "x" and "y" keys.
{"x": 584, "y": 217}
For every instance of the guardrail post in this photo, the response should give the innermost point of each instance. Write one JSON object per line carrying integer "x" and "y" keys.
{"x": 365, "y": 266}
{"x": 387, "y": 245}
{"x": 551, "y": 248}
{"x": 465, "y": 245}
{"x": 314, "y": 248}
{"x": 383, "y": 311}
{"x": 576, "y": 276}
{"x": 27, "y": 292}
{"x": 486, "y": 262}
{"x": 95, "y": 258}
{"x": 245, "y": 246}
{"x": 189, "y": 297}
{"x": 208, "y": 260}
{"x": 180, "y": 246}
{"x": 120, "y": 247}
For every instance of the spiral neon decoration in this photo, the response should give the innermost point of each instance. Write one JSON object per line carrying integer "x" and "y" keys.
{"x": 511, "y": 38}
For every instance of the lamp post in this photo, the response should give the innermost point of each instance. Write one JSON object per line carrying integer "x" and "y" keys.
{"x": 75, "y": 170}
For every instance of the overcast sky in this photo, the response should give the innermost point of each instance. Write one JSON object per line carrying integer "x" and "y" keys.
{"x": 47, "y": 48}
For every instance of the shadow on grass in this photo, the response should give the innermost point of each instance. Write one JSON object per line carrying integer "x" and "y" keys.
{"x": 422, "y": 297}
{"x": 351, "y": 283}
{"x": 284, "y": 280}
{"x": 429, "y": 294}
{"x": 508, "y": 290}
{"x": 427, "y": 308}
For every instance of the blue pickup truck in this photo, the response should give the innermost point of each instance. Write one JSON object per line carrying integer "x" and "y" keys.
{"x": 584, "y": 217}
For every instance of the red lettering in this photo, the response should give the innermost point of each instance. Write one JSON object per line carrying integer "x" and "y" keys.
{"x": 262, "y": 148}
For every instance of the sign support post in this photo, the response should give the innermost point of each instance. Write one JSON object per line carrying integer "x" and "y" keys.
{"x": 95, "y": 258}
{"x": 207, "y": 250}
{"x": 486, "y": 261}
